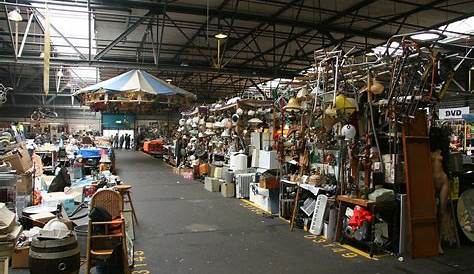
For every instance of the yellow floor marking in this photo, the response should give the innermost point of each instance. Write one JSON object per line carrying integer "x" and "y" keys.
{"x": 360, "y": 252}
{"x": 284, "y": 220}
{"x": 321, "y": 239}
{"x": 310, "y": 236}
{"x": 317, "y": 239}
{"x": 254, "y": 205}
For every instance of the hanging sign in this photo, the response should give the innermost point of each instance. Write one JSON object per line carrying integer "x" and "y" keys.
{"x": 452, "y": 113}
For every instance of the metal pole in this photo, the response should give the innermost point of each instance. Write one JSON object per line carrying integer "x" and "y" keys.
{"x": 10, "y": 32}
{"x": 16, "y": 38}
{"x": 218, "y": 53}
{"x": 161, "y": 37}
{"x": 89, "y": 23}
{"x": 25, "y": 34}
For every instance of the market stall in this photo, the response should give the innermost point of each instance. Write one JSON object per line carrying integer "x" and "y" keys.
{"x": 354, "y": 152}
{"x": 45, "y": 209}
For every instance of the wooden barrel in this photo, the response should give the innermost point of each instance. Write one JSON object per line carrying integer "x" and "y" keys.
{"x": 55, "y": 256}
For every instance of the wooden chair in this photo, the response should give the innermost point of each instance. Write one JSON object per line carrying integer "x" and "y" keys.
{"x": 101, "y": 245}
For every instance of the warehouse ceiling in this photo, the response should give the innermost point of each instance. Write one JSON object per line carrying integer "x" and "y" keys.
{"x": 175, "y": 40}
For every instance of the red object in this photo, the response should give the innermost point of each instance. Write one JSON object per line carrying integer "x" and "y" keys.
{"x": 153, "y": 146}
{"x": 360, "y": 216}
{"x": 37, "y": 198}
{"x": 89, "y": 190}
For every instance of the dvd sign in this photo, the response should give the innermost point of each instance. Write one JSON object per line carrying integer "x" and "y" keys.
{"x": 452, "y": 113}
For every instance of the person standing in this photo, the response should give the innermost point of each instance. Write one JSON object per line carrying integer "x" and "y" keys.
{"x": 87, "y": 141}
{"x": 127, "y": 141}
{"x": 37, "y": 169}
{"x": 122, "y": 139}
{"x": 116, "y": 140}
{"x": 139, "y": 140}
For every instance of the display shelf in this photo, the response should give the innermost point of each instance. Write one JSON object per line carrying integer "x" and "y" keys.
{"x": 355, "y": 201}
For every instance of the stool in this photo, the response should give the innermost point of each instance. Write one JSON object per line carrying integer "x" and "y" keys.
{"x": 124, "y": 191}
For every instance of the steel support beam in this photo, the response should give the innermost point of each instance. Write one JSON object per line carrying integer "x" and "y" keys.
{"x": 201, "y": 28}
{"x": 36, "y": 12}
{"x": 123, "y": 35}
{"x": 10, "y": 32}
{"x": 25, "y": 35}
{"x": 371, "y": 28}
{"x": 32, "y": 106}
{"x": 246, "y": 72}
{"x": 320, "y": 26}
{"x": 188, "y": 38}
{"x": 37, "y": 94}
{"x": 259, "y": 89}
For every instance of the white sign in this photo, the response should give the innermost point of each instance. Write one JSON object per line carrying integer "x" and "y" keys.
{"x": 452, "y": 113}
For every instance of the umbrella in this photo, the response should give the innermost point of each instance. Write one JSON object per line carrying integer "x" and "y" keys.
{"x": 137, "y": 81}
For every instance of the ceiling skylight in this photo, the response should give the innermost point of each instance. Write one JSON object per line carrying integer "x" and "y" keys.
{"x": 71, "y": 22}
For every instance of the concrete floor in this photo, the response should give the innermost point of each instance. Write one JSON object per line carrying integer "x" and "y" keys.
{"x": 185, "y": 229}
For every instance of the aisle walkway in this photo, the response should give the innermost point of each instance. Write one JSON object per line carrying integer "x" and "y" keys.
{"x": 185, "y": 229}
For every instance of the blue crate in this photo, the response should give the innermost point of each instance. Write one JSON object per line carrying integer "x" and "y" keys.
{"x": 90, "y": 152}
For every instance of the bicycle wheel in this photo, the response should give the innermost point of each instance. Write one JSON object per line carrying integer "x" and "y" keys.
{"x": 35, "y": 116}
{"x": 3, "y": 98}
{"x": 50, "y": 114}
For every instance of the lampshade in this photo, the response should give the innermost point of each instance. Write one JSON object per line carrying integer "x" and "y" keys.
{"x": 375, "y": 87}
{"x": 255, "y": 121}
{"x": 293, "y": 105}
{"x": 15, "y": 15}
{"x": 220, "y": 35}
{"x": 348, "y": 131}
{"x": 225, "y": 133}
{"x": 427, "y": 36}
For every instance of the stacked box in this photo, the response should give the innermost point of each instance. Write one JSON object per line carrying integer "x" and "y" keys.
{"x": 212, "y": 184}
{"x": 228, "y": 190}
{"x": 19, "y": 159}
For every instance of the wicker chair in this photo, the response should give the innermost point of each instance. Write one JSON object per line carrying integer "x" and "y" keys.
{"x": 101, "y": 245}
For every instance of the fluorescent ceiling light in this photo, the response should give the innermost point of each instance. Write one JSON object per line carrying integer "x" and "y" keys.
{"x": 429, "y": 36}
{"x": 15, "y": 15}
{"x": 220, "y": 35}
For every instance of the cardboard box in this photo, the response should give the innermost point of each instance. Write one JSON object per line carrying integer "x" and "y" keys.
{"x": 25, "y": 184}
{"x": 42, "y": 218}
{"x": 228, "y": 190}
{"x": 20, "y": 257}
{"x": 212, "y": 184}
{"x": 19, "y": 159}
